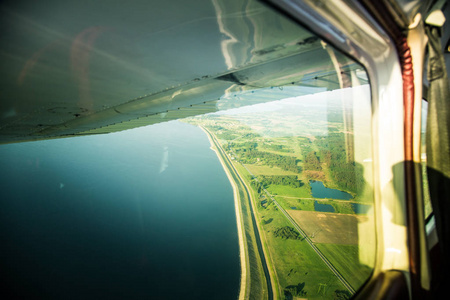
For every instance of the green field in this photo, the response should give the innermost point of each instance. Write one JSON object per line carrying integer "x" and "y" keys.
{"x": 284, "y": 190}
{"x": 295, "y": 261}
{"x": 266, "y": 170}
{"x": 346, "y": 260}
{"x": 341, "y": 207}
{"x": 300, "y": 204}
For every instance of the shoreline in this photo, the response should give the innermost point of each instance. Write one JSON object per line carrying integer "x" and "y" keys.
{"x": 242, "y": 252}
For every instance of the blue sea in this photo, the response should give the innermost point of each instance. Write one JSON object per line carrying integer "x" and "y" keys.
{"x": 141, "y": 214}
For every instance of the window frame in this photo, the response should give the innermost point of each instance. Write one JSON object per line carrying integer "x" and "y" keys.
{"x": 348, "y": 27}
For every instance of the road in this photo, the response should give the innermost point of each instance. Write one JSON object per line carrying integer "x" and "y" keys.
{"x": 292, "y": 221}
{"x": 240, "y": 182}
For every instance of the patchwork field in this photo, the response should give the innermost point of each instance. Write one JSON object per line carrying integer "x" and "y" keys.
{"x": 296, "y": 270}
{"x": 329, "y": 228}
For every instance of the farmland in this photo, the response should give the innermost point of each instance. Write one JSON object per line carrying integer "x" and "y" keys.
{"x": 277, "y": 157}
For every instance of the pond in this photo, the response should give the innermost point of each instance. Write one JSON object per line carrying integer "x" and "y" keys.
{"x": 323, "y": 207}
{"x": 318, "y": 190}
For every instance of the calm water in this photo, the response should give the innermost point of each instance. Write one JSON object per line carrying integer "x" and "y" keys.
{"x": 323, "y": 207}
{"x": 147, "y": 213}
{"x": 318, "y": 190}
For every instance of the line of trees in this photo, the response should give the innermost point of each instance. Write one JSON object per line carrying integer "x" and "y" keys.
{"x": 287, "y": 163}
{"x": 255, "y": 184}
{"x": 292, "y": 291}
{"x": 312, "y": 162}
{"x": 287, "y": 232}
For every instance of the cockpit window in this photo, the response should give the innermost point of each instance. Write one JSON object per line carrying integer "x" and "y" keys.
{"x": 248, "y": 173}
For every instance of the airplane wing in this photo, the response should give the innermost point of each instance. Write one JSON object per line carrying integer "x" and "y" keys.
{"x": 74, "y": 68}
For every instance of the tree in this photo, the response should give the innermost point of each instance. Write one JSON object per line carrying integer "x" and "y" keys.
{"x": 312, "y": 162}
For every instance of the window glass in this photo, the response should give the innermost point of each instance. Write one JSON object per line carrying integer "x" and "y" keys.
{"x": 306, "y": 164}
{"x": 265, "y": 191}
{"x": 142, "y": 210}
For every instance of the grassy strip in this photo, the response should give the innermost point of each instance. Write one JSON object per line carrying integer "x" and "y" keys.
{"x": 256, "y": 205}
{"x": 345, "y": 258}
{"x": 295, "y": 261}
{"x": 267, "y": 170}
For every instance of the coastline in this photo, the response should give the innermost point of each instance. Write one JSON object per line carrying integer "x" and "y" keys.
{"x": 242, "y": 252}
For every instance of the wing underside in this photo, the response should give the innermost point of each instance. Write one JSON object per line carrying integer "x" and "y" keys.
{"x": 80, "y": 68}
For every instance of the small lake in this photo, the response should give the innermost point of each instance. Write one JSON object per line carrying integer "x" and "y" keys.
{"x": 318, "y": 190}
{"x": 323, "y": 207}
{"x": 361, "y": 209}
